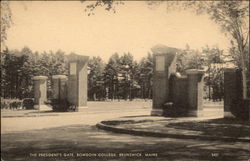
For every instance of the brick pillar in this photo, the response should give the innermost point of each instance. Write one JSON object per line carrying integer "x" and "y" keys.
{"x": 59, "y": 87}
{"x": 195, "y": 92}
{"x": 231, "y": 90}
{"x": 40, "y": 91}
{"x": 77, "y": 80}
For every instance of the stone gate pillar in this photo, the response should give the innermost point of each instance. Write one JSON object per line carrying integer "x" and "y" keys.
{"x": 232, "y": 92}
{"x": 77, "y": 80}
{"x": 59, "y": 87}
{"x": 40, "y": 91}
{"x": 164, "y": 59}
{"x": 195, "y": 92}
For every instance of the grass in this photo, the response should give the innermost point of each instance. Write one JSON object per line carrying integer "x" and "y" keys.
{"x": 216, "y": 127}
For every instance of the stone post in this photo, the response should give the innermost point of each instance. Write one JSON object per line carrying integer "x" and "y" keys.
{"x": 40, "y": 91}
{"x": 77, "y": 81}
{"x": 59, "y": 87}
{"x": 164, "y": 64}
{"x": 195, "y": 92}
{"x": 231, "y": 90}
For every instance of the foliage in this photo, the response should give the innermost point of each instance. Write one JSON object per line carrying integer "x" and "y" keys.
{"x": 11, "y": 103}
{"x": 111, "y": 75}
{"x": 18, "y": 68}
{"x": 28, "y": 103}
{"x": 96, "y": 88}
{"x": 121, "y": 78}
{"x": 108, "y": 5}
{"x": 6, "y": 20}
{"x": 189, "y": 59}
{"x": 233, "y": 18}
{"x": 62, "y": 105}
{"x": 214, "y": 73}
{"x": 146, "y": 76}
{"x": 240, "y": 109}
{"x": 171, "y": 110}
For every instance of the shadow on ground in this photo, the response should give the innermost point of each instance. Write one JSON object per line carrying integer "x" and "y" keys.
{"x": 216, "y": 127}
{"x": 81, "y": 140}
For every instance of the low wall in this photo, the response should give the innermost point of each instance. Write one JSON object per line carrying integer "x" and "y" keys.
{"x": 179, "y": 93}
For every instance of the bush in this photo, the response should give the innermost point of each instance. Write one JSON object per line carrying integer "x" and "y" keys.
{"x": 240, "y": 109}
{"x": 11, "y": 104}
{"x": 4, "y": 104}
{"x": 62, "y": 105}
{"x": 172, "y": 110}
{"x": 28, "y": 103}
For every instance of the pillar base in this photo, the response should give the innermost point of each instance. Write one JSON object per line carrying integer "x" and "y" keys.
{"x": 195, "y": 113}
{"x": 228, "y": 115}
{"x": 82, "y": 107}
{"x": 41, "y": 107}
{"x": 157, "y": 112}
{"x": 36, "y": 107}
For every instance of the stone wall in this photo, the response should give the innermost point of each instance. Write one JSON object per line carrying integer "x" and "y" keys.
{"x": 179, "y": 93}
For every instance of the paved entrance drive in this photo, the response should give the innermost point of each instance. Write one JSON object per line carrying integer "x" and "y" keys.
{"x": 97, "y": 111}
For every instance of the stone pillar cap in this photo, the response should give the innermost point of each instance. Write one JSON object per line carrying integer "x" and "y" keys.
{"x": 195, "y": 71}
{"x": 230, "y": 69}
{"x": 40, "y": 78}
{"x": 163, "y": 49}
{"x": 77, "y": 58}
{"x": 59, "y": 77}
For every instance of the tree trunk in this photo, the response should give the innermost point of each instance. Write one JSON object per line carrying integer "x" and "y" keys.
{"x": 244, "y": 70}
{"x": 244, "y": 84}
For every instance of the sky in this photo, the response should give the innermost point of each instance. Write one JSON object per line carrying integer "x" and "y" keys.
{"x": 135, "y": 28}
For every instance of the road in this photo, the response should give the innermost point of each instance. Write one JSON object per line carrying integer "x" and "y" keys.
{"x": 96, "y": 112}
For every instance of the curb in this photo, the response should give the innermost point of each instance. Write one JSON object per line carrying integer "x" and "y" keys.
{"x": 29, "y": 116}
{"x": 103, "y": 126}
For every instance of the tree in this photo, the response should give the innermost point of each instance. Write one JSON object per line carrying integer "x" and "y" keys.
{"x": 214, "y": 73}
{"x": 189, "y": 59}
{"x": 233, "y": 17}
{"x": 16, "y": 68}
{"x": 111, "y": 75}
{"x": 126, "y": 75}
{"x": 146, "y": 76}
{"x": 108, "y": 5}
{"x": 6, "y": 21}
{"x": 96, "y": 87}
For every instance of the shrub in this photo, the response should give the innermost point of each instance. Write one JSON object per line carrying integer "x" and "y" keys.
{"x": 62, "y": 105}
{"x": 11, "y": 103}
{"x": 172, "y": 110}
{"x": 4, "y": 104}
{"x": 15, "y": 104}
{"x": 240, "y": 109}
{"x": 28, "y": 103}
